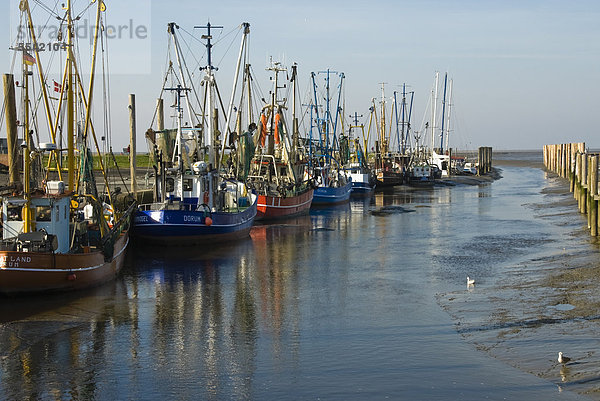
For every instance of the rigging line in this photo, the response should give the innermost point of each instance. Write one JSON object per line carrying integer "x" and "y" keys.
{"x": 48, "y": 9}
{"x": 84, "y": 10}
{"x": 230, "y": 45}
{"x": 51, "y": 13}
{"x": 222, "y": 36}
{"x": 256, "y": 86}
{"x": 105, "y": 51}
{"x": 184, "y": 70}
{"x": 168, "y": 68}
{"x": 170, "y": 72}
{"x": 198, "y": 61}
{"x": 189, "y": 51}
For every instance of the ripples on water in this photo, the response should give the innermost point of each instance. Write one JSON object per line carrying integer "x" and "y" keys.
{"x": 339, "y": 304}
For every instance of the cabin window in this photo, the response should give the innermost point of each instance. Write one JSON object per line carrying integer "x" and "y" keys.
{"x": 43, "y": 213}
{"x": 187, "y": 184}
{"x": 283, "y": 171}
{"x": 13, "y": 213}
{"x": 170, "y": 185}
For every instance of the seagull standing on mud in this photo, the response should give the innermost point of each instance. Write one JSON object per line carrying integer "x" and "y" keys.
{"x": 563, "y": 359}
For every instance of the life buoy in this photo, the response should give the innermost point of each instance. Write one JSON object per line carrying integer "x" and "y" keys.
{"x": 263, "y": 131}
{"x": 205, "y": 198}
{"x": 277, "y": 124}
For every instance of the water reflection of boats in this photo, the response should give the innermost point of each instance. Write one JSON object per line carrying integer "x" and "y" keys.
{"x": 59, "y": 307}
{"x": 49, "y": 344}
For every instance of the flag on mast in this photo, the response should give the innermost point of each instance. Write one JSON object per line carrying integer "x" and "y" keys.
{"x": 28, "y": 59}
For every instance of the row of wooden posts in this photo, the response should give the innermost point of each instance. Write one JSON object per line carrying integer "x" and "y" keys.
{"x": 572, "y": 161}
{"x": 485, "y": 160}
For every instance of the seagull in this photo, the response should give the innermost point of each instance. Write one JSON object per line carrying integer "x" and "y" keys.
{"x": 470, "y": 281}
{"x": 563, "y": 359}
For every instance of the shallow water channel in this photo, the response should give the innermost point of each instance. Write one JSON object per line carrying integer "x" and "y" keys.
{"x": 366, "y": 301}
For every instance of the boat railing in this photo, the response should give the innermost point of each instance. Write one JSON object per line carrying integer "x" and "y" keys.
{"x": 270, "y": 159}
{"x": 188, "y": 207}
{"x": 236, "y": 199}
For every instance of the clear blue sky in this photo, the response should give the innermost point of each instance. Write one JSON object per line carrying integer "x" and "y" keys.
{"x": 526, "y": 73}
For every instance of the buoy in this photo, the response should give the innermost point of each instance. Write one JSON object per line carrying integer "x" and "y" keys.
{"x": 208, "y": 221}
{"x": 72, "y": 277}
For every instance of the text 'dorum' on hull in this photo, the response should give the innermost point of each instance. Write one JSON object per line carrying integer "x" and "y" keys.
{"x": 187, "y": 227}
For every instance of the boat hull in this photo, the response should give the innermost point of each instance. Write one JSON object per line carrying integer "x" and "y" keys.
{"x": 325, "y": 196}
{"x": 274, "y": 207}
{"x": 421, "y": 182}
{"x": 389, "y": 179}
{"x": 33, "y": 272}
{"x": 361, "y": 189}
{"x": 188, "y": 227}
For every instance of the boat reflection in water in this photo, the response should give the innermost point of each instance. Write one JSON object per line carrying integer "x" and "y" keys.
{"x": 176, "y": 324}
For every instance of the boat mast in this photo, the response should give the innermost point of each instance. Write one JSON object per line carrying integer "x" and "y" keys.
{"x": 70, "y": 101}
{"x": 295, "y": 140}
{"x": 434, "y": 99}
{"x": 246, "y": 27}
{"x": 248, "y": 83}
{"x": 407, "y": 138}
{"x": 88, "y": 112}
{"x": 180, "y": 65}
{"x": 443, "y": 114}
{"x": 317, "y": 119}
{"x": 396, "y": 116}
{"x": 382, "y": 133}
{"x": 274, "y": 105}
{"x": 212, "y": 120}
{"x": 327, "y": 118}
{"x": 403, "y": 139}
{"x": 337, "y": 114}
{"x": 27, "y": 215}
{"x": 448, "y": 117}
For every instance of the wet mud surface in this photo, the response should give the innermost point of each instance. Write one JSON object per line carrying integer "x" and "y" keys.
{"x": 536, "y": 293}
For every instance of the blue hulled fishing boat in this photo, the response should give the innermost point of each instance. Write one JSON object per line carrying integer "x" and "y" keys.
{"x": 333, "y": 185}
{"x": 196, "y": 200}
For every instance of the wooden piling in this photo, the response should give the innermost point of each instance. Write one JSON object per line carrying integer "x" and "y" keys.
{"x": 584, "y": 187}
{"x": 588, "y": 187}
{"x": 160, "y": 115}
{"x": 132, "y": 147}
{"x": 593, "y": 196}
{"x": 11, "y": 129}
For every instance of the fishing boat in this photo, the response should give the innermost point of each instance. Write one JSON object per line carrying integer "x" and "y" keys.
{"x": 421, "y": 175}
{"x": 59, "y": 231}
{"x": 277, "y": 169}
{"x": 470, "y": 168}
{"x": 389, "y": 164}
{"x": 439, "y": 157}
{"x": 355, "y": 160}
{"x": 332, "y": 184}
{"x": 196, "y": 199}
